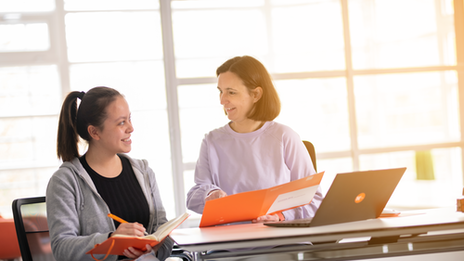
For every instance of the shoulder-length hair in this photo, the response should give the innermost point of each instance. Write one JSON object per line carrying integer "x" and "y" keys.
{"x": 253, "y": 74}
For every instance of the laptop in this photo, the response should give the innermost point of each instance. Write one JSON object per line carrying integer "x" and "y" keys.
{"x": 352, "y": 196}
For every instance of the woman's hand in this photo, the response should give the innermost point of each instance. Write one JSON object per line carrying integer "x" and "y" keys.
{"x": 130, "y": 229}
{"x": 216, "y": 194}
{"x": 267, "y": 218}
{"x": 135, "y": 253}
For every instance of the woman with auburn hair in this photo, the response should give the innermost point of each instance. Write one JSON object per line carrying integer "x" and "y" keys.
{"x": 252, "y": 151}
{"x": 86, "y": 188}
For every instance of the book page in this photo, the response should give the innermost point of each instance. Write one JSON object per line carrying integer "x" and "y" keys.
{"x": 116, "y": 244}
{"x": 167, "y": 227}
{"x": 292, "y": 186}
{"x": 293, "y": 199}
{"x": 164, "y": 229}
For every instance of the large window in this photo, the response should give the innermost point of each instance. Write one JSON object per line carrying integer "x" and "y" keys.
{"x": 86, "y": 44}
{"x": 372, "y": 83}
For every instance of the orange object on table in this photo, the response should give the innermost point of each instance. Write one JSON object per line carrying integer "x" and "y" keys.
{"x": 246, "y": 206}
{"x": 460, "y": 204}
{"x": 8, "y": 241}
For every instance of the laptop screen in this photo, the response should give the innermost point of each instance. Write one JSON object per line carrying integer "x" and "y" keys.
{"x": 354, "y": 196}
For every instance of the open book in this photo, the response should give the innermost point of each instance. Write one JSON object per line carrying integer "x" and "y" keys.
{"x": 116, "y": 244}
{"x": 250, "y": 205}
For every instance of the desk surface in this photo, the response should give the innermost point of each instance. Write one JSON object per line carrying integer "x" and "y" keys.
{"x": 259, "y": 235}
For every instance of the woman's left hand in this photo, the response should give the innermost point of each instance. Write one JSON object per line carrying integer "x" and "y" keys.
{"x": 135, "y": 253}
{"x": 267, "y": 218}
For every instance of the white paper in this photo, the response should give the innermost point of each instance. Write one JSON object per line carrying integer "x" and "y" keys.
{"x": 293, "y": 199}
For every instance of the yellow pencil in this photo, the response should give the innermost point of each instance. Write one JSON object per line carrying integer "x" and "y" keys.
{"x": 120, "y": 220}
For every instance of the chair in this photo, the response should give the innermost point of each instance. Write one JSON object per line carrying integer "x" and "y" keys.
{"x": 178, "y": 253}
{"x": 9, "y": 248}
{"x": 312, "y": 152}
{"x": 30, "y": 220}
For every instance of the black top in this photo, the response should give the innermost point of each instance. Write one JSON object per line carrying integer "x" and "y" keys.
{"x": 122, "y": 194}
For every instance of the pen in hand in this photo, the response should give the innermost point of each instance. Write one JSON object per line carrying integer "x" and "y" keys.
{"x": 120, "y": 220}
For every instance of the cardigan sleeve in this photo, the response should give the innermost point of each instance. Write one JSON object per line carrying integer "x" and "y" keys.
{"x": 203, "y": 181}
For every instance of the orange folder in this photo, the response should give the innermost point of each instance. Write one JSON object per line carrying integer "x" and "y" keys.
{"x": 250, "y": 205}
{"x": 116, "y": 244}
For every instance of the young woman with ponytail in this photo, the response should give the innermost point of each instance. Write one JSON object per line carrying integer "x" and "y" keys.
{"x": 86, "y": 188}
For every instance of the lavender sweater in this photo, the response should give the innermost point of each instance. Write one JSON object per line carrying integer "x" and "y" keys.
{"x": 238, "y": 162}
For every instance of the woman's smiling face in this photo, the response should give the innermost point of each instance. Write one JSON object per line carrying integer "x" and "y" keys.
{"x": 117, "y": 127}
{"x": 237, "y": 100}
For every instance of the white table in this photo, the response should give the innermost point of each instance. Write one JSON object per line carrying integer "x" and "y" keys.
{"x": 418, "y": 232}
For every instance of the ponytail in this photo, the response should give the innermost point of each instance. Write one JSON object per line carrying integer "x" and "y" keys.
{"x": 67, "y": 141}
{"x": 74, "y": 122}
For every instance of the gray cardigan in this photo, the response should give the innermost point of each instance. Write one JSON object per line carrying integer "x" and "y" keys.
{"x": 77, "y": 214}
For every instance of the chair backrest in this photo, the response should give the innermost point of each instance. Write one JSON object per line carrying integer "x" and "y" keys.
{"x": 9, "y": 248}
{"x": 312, "y": 152}
{"x": 30, "y": 220}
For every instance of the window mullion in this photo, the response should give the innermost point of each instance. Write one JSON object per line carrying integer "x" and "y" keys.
{"x": 58, "y": 40}
{"x": 350, "y": 87}
{"x": 459, "y": 31}
{"x": 173, "y": 107}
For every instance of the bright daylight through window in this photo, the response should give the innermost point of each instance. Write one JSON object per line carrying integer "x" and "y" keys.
{"x": 371, "y": 83}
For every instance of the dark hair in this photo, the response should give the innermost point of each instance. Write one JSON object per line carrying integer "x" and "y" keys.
{"x": 254, "y": 74}
{"x": 74, "y": 121}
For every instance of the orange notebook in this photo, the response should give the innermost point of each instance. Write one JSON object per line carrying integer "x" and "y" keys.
{"x": 116, "y": 244}
{"x": 249, "y": 205}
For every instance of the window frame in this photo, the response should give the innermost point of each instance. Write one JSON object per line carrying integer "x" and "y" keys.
{"x": 57, "y": 55}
